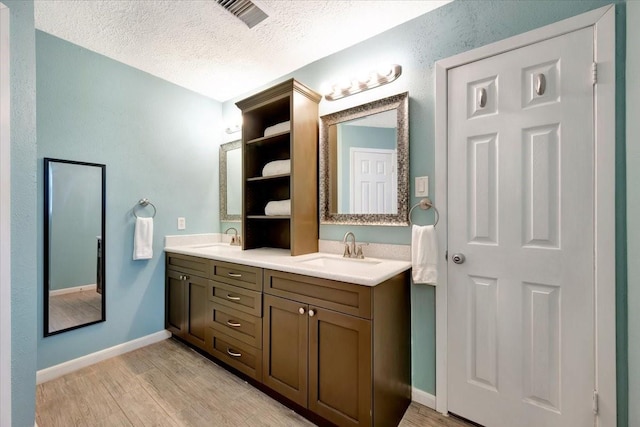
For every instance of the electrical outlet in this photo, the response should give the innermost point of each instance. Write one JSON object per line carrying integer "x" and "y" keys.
{"x": 182, "y": 223}
{"x": 422, "y": 186}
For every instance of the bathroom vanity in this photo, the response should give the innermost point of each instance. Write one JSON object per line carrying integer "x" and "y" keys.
{"x": 328, "y": 336}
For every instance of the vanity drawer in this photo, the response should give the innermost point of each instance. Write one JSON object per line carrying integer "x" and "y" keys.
{"x": 239, "y": 298}
{"x": 344, "y": 297}
{"x": 237, "y": 324}
{"x": 188, "y": 264}
{"x": 238, "y": 275}
{"x": 239, "y": 355}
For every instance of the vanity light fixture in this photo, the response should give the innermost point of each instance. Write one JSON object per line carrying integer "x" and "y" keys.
{"x": 233, "y": 128}
{"x": 368, "y": 81}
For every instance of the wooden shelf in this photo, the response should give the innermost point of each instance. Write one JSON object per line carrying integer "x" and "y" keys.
{"x": 266, "y": 178}
{"x": 267, "y": 139}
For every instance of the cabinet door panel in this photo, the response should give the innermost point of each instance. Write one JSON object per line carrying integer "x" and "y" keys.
{"x": 196, "y": 319}
{"x": 340, "y": 368}
{"x": 285, "y": 348}
{"x": 174, "y": 303}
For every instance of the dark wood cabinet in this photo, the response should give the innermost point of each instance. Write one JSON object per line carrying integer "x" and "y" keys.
{"x": 340, "y": 350}
{"x": 296, "y": 230}
{"x": 186, "y": 306}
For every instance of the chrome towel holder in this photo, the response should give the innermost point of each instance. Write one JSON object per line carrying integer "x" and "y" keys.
{"x": 425, "y": 204}
{"x": 142, "y": 203}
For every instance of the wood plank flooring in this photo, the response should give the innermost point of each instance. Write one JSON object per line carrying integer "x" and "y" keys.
{"x": 168, "y": 384}
{"x": 75, "y": 308}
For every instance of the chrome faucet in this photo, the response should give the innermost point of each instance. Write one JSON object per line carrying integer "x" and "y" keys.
{"x": 349, "y": 251}
{"x": 235, "y": 239}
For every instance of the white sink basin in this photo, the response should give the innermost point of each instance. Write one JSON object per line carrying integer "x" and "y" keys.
{"x": 338, "y": 263}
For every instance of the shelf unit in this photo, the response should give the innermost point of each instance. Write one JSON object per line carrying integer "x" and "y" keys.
{"x": 288, "y": 101}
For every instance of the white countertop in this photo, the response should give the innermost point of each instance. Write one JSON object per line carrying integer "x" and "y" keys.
{"x": 367, "y": 272}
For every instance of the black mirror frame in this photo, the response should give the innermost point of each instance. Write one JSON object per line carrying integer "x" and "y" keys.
{"x": 46, "y": 243}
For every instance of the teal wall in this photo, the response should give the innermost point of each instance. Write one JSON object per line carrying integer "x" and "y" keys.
{"x": 23, "y": 212}
{"x": 74, "y": 224}
{"x": 633, "y": 204}
{"x": 417, "y": 45}
{"x": 158, "y": 141}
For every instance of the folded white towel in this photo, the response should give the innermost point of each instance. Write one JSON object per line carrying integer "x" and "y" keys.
{"x": 143, "y": 239}
{"x": 280, "y": 127}
{"x": 277, "y": 167}
{"x": 278, "y": 207}
{"x": 424, "y": 254}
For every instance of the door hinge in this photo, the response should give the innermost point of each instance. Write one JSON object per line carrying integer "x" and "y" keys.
{"x": 595, "y": 402}
{"x": 594, "y": 72}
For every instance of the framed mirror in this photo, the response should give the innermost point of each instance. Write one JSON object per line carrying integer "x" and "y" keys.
{"x": 74, "y": 250}
{"x": 364, "y": 164}
{"x": 230, "y": 181}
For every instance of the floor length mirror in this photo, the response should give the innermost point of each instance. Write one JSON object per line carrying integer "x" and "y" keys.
{"x": 74, "y": 255}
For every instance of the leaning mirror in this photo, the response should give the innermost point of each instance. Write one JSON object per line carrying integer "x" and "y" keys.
{"x": 230, "y": 181}
{"x": 364, "y": 164}
{"x": 74, "y": 251}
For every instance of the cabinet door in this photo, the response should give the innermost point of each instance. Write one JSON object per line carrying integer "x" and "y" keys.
{"x": 175, "y": 303}
{"x": 196, "y": 309}
{"x": 340, "y": 367}
{"x": 285, "y": 348}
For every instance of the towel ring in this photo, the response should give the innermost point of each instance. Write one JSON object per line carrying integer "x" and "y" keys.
{"x": 143, "y": 203}
{"x": 425, "y": 204}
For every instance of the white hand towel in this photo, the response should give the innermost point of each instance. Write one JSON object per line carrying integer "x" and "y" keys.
{"x": 278, "y": 207}
{"x": 277, "y": 167}
{"x": 280, "y": 127}
{"x": 143, "y": 239}
{"x": 424, "y": 254}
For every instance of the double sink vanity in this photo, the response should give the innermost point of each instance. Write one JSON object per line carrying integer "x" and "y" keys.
{"x": 326, "y": 335}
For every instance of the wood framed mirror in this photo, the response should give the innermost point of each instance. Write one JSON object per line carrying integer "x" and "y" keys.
{"x": 74, "y": 245}
{"x": 364, "y": 164}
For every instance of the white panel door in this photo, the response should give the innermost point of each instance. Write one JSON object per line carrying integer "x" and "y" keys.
{"x": 374, "y": 181}
{"x": 521, "y": 203}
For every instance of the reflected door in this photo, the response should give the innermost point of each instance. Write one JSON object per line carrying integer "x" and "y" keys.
{"x": 521, "y": 172}
{"x": 373, "y": 181}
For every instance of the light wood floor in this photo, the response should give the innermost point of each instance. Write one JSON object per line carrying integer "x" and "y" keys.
{"x": 75, "y": 308}
{"x": 168, "y": 384}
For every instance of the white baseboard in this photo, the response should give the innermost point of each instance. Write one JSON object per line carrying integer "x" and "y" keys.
{"x": 64, "y": 368}
{"x": 80, "y": 288}
{"x": 423, "y": 398}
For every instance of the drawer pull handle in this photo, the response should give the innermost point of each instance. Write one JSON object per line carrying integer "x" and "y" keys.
{"x": 233, "y": 354}
{"x": 233, "y": 324}
{"x": 232, "y": 298}
{"x": 234, "y": 274}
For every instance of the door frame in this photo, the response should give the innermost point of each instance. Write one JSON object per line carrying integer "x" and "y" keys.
{"x": 5, "y": 222}
{"x": 603, "y": 22}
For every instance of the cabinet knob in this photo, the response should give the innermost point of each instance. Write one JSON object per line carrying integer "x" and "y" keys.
{"x": 312, "y": 313}
{"x": 301, "y": 310}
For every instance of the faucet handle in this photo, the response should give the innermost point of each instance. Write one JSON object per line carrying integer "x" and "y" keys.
{"x": 347, "y": 251}
{"x": 359, "y": 253}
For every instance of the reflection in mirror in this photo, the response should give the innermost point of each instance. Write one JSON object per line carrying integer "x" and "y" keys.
{"x": 230, "y": 181}
{"x": 74, "y": 226}
{"x": 364, "y": 161}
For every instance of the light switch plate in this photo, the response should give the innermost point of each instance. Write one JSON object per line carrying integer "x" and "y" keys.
{"x": 182, "y": 223}
{"x": 422, "y": 186}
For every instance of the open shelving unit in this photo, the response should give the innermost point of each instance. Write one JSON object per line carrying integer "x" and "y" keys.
{"x": 288, "y": 101}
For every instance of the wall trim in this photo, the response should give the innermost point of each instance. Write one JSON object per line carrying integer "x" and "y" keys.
{"x": 89, "y": 287}
{"x": 423, "y": 398}
{"x": 603, "y": 21}
{"x": 5, "y": 221}
{"x": 64, "y": 368}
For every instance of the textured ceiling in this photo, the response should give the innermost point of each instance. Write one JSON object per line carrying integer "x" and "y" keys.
{"x": 202, "y": 47}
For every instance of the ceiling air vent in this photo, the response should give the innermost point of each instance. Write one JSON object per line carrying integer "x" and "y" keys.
{"x": 244, "y": 10}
